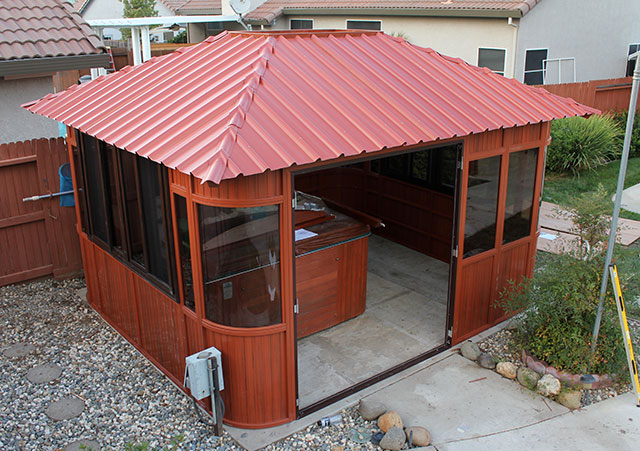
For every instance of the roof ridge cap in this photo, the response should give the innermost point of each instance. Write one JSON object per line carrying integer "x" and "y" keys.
{"x": 239, "y": 112}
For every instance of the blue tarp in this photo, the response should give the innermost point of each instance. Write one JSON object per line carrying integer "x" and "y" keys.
{"x": 66, "y": 184}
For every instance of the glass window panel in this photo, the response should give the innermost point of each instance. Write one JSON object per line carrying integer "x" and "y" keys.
{"x": 520, "y": 185}
{"x": 301, "y": 24}
{"x": 134, "y": 220}
{"x": 364, "y": 25}
{"x": 184, "y": 250}
{"x": 113, "y": 189}
{"x": 482, "y": 205}
{"x": 533, "y": 66}
{"x": 95, "y": 189}
{"x": 631, "y": 65}
{"x": 420, "y": 165}
{"x": 444, "y": 166}
{"x": 396, "y": 166}
{"x": 241, "y": 265}
{"x": 153, "y": 222}
{"x": 79, "y": 181}
{"x": 493, "y": 59}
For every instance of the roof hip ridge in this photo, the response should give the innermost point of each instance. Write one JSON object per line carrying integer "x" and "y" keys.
{"x": 239, "y": 112}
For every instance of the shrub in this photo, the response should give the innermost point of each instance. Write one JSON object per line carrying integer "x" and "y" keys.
{"x": 560, "y": 303}
{"x": 621, "y": 120}
{"x": 579, "y": 144}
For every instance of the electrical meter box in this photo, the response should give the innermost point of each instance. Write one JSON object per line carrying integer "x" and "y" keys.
{"x": 196, "y": 373}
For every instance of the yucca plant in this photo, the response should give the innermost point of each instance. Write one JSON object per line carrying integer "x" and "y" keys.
{"x": 580, "y": 144}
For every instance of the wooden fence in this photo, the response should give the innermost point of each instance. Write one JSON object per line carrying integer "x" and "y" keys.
{"x": 36, "y": 238}
{"x": 605, "y": 95}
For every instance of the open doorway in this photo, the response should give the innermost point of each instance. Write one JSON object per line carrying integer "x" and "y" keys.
{"x": 374, "y": 262}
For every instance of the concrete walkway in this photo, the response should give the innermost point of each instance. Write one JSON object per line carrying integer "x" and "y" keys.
{"x": 631, "y": 198}
{"x": 466, "y": 407}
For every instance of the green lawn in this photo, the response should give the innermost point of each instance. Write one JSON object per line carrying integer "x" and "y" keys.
{"x": 561, "y": 189}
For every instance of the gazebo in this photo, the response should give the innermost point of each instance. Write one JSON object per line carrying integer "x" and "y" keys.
{"x": 325, "y": 207}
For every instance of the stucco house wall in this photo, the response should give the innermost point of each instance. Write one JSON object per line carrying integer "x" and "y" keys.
{"x": 596, "y": 33}
{"x": 16, "y": 123}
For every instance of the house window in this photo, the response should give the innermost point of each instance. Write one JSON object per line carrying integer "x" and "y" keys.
{"x": 493, "y": 59}
{"x": 241, "y": 265}
{"x": 482, "y": 205}
{"x": 432, "y": 168}
{"x": 631, "y": 65}
{"x": 301, "y": 24}
{"x": 127, "y": 209}
{"x": 364, "y": 25}
{"x": 520, "y": 186}
{"x": 534, "y": 66}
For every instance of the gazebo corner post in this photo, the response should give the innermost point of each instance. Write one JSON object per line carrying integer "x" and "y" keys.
{"x": 135, "y": 43}
{"x": 618, "y": 199}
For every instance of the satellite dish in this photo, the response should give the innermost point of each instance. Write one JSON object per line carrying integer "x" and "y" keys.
{"x": 240, "y": 6}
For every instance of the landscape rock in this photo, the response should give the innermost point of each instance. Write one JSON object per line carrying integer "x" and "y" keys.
{"x": 371, "y": 410}
{"x": 548, "y": 385}
{"x": 507, "y": 369}
{"x": 419, "y": 436}
{"x": 393, "y": 440}
{"x": 570, "y": 398}
{"x": 389, "y": 420}
{"x": 486, "y": 361}
{"x": 470, "y": 350}
{"x": 528, "y": 378}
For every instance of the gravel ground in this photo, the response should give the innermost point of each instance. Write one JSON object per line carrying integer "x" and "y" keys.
{"x": 502, "y": 346}
{"x": 127, "y": 400}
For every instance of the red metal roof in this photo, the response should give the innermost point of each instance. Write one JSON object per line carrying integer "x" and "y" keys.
{"x": 243, "y": 103}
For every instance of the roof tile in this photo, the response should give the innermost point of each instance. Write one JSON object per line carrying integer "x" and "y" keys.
{"x": 242, "y": 102}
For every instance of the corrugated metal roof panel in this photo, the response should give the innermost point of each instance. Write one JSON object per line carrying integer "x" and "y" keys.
{"x": 242, "y": 103}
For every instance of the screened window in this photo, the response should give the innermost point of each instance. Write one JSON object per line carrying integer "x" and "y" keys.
{"x": 493, "y": 59}
{"x": 364, "y": 25}
{"x": 520, "y": 186}
{"x": 301, "y": 24}
{"x": 127, "y": 207}
{"x": 241, "y": 265}
{"x": 433, "y": 168}
{"x": 534, "y": 66}
{"x": 184, "y": 250}
{"x": 482, "y": 205}
{"x": 80, "y": 185}
{"x": 631, "y": 65}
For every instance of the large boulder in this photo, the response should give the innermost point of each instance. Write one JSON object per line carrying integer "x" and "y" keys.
{"x": 389, "y": 420}
{"x": 528, "y": 378}
{"x": 393, "y": 440}
{"x": 507, "y": 369}
{"x": 470, "y": 350}
{"x": 418, "y": 436}
{"x": 548, "y": 385}
{"x": 371, "y": 410}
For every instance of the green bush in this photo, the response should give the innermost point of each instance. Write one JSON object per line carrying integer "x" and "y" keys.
{"x": 560, "y": 303}
{"x": 579, "y": 144}
{"x": 621, "y": 120}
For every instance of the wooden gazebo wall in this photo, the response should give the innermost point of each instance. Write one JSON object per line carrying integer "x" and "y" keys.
{"x": 259, "y": 363}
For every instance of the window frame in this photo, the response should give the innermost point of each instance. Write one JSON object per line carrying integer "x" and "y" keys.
{"x": 631, "y": 64}
{"x": 301, "y": 19}
{"x": 346, "y": 24}
{"x": 125, "y": 255}
{"x": 541, "y": 70}
{"x": 504, "y": 59}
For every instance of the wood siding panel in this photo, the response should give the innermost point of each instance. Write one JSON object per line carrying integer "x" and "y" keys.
{"x": 513, "y": 265}
{"x": 476, "y": 287}
{"x": 260, "y": 186}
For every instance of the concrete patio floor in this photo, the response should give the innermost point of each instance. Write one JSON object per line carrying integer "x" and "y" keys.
{"x": 466, "y": 407}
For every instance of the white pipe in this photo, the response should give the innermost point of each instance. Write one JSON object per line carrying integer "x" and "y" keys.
{"x": 135, "y": 40}
{"x": 146, "y": 44}
{"x": 514, "y": 49}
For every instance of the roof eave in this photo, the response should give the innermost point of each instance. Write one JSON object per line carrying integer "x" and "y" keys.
{"x": 421, "y": 12}
{"x": 198, "y": 12}
{"x": 49, "y": 64}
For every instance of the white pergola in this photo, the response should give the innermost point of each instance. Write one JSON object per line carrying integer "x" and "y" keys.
{"x": 140, "y": 30}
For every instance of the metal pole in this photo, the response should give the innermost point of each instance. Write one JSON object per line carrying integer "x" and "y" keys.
{"x": 616, "y": 207}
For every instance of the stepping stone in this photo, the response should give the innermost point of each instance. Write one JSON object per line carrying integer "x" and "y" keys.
{"x": 65, "y": 408}
{"x": 44, "y": 373}
{"x": 19, "y": 350}
{"x": 83, "y": 444}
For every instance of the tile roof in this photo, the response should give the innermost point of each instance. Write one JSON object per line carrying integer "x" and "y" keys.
{"x": 200, "y": 7}
{"x": 44, "y": 28}
{"x": 243, "y": 103}
{"x": 271, "y": 9}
